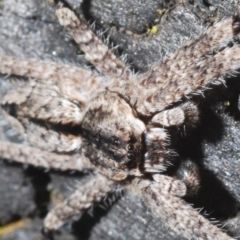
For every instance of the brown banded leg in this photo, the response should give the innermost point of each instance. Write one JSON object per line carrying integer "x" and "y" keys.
{"x": 170, "y": 185}
{"x": 53, "y": 141}
{"x": 194, "y": 80}
{"x": 84, "y": 197}
{"x": 96, "y": 51}
{"x": 37, "y": 107}
{"x": 35, "y": 99}
{"x": 64, "y": 76}
{"x": 186, "y": 113}
{"x": 176, "y": 213}
{"x": 214, "y": 39}
{"x": 172, "y": 80}
{"x": 33, "y": 156}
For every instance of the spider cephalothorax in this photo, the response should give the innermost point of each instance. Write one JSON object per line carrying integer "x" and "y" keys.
{"x": 113, "y": 135}
{"x": 119, "y": 125}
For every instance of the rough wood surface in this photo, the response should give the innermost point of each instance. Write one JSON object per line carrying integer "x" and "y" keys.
{"x": 30, "y": 28}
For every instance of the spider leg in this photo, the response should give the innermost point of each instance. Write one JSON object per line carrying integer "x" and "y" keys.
{"x": 84, "y": 197}
{"x": 39, "y": 158}
{"x": 174, "y": 80}
{"x": 75, "y": 83}
{"x": 96, "y": 51}
{"x": 45, "y": 138}
{"x": 179, "y": 215}
{"x": 215, "y": 38}
{"x": 188, "y": 172}
{"x": 36, "y": 99}
{"x": 194, "y": 80}
{"x": 170, "y": 185}
{"x": 186, "y": 113}
{"x": 36, "y": 122}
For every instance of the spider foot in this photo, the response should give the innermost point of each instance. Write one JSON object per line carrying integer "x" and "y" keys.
{"x": 188, "y": 173}
{"x": 186, "y": 113}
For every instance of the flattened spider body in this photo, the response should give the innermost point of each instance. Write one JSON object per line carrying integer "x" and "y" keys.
{"x": 118, "y": 126}
{"x": 113, "y": 135}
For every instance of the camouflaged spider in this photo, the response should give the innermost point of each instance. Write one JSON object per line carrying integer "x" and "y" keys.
{"x": 117, "y": 122}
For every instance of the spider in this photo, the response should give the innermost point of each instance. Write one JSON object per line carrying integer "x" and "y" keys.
{"x": 117, "y": 122}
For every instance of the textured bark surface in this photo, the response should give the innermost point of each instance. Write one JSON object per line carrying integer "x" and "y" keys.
{"x": 30, "y": 28}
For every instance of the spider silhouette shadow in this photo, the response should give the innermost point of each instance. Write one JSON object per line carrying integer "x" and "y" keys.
{"x": 213, "y": 197}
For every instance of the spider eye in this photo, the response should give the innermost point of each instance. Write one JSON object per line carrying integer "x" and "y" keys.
{"x": 130, "y": 147}
{"x": 130, "y": 156}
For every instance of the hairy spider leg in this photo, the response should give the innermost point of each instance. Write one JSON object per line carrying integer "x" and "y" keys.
{"x": 213, "y": 40}
{"x": 95, "y": 50}
{"x": 175, "y": 212}
{"x": 172, "y": 81}
{"x": 39, "y": 158}
{"x": 76, "y": 84}
{"x": 186, "y": 113}
{"x": 84, "y": 197}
